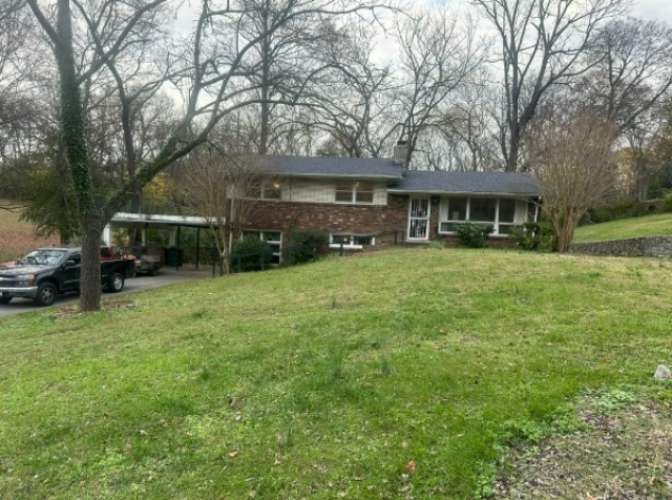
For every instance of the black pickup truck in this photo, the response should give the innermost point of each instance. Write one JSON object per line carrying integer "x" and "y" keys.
{"x": 47, "y": 272}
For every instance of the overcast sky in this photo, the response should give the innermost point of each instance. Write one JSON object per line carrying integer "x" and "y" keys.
{"x": 654, "y": 9}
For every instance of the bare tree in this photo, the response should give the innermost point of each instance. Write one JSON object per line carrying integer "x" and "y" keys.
{"x": 463, "y": 139}
{"x": 352, "y": 103}
{"x": 542, "y": 44}
{"x": 632, "y": 72}
{"x": 571, "y": 154}
{"x": 100, "y": 39}
{"x": 217, "y": 184}
{"x": 436, "y": 58}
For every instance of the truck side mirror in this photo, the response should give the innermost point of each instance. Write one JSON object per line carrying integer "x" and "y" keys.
{"x": 69, "y": 263}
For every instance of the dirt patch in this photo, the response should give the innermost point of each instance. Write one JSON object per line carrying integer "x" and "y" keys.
{"x": 625, "y": 453}
{"x": 112, "y": 306}
{"x": 18, "y": 237}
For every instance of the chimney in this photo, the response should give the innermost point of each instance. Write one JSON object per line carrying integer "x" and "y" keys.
{"x": 401, "y": 153}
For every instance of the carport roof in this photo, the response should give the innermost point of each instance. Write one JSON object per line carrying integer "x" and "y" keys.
{"x": 154, "y": 219}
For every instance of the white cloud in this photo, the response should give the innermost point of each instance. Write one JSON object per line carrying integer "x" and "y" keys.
{"x": 659, "y": 10}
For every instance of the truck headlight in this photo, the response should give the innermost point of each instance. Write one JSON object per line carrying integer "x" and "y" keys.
{"x": 25, "y": 279}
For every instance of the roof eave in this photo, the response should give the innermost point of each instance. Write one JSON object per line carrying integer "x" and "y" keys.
{"x": 461, "y": 193}
{"x": 338, "y": 176}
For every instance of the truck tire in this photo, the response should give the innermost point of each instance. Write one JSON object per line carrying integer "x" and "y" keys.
{"x": 46, "y": 295}
{"x": 5, "y": 299}
{"x": 115, "y": 284}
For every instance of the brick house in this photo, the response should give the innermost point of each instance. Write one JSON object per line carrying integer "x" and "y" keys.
{"x": 371, "y": 203}
{"x": 367, "y": 203}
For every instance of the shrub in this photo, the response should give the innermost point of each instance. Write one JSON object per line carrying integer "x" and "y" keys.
{"x": 624, "y": 210}
{"x": 534, "y": 236}
{"x": 667, "y": 202}
{"x": 250, "y": 254}
{"x": 474, "y": 235}
{"x": 306, "y": 246}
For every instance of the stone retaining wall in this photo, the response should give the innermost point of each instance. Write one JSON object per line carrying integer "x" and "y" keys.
{"x": 655, "y": 246}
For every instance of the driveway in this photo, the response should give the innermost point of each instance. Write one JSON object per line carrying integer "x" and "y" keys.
{"x": 166, "y": 277}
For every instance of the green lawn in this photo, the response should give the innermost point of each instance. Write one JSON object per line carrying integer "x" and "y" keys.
{"x": 635, "y": 227}
{"x": 322, "y": 381}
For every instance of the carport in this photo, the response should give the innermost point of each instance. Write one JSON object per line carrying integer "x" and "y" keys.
{"x": 173, "y": 223}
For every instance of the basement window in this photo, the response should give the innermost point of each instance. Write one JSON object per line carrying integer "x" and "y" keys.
{"x": 351, "y": 241}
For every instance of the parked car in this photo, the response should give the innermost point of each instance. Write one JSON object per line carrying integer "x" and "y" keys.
{"x": 45, "y": 273}
{"x": 146, "y": 261}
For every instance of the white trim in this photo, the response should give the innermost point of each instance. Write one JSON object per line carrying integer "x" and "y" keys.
{"x": 428, "y": 218}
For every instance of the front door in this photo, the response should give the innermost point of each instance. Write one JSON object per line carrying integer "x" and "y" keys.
{"x": 419, "y": 212}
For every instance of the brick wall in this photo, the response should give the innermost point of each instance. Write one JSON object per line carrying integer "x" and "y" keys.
{"x": 387, "y": 223}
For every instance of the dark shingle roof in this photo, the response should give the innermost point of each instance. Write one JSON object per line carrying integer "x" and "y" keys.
{"x": 413, "y": 181}
{"x": 302, "y": 166}
{"x": 416, "y": 181}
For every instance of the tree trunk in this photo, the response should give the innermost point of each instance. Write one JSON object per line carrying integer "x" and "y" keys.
{"x": 265, "y": 119}
{"x": 565, "y": 228}
{"x": 90, "y": 278}
{"x": 514, "y": 151}
{"x": 73, "y": 132}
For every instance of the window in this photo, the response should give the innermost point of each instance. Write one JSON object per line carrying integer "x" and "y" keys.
{"x": 264, "y": 191}
{"x": 507, "y": 211}
{"x": 272, "y": 191}
{"x": 358, "y": 192}
{"x": 507, "y": 215}
{"x": 483, "y": 210}
{"x": 353, "y": 241}
{"x": 344, "y": 192}
{"x": 253, "y": 191}
{"x": 364, "y": 192}
{"x": 274, "y": 240}
{"x": 501, "y": 213}
{"x": 457, "y": 209}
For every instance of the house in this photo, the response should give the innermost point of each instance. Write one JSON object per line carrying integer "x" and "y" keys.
{"x": 364, "y": 203}
{"x": 367, "y": 203}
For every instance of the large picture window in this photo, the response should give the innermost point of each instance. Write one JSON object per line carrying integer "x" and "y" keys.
{"x": 500, "y": 213}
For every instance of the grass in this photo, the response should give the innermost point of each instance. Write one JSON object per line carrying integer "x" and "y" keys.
{"x": 18, "y": 237}
{"x": 398, "y": 374}
{"x": 635, "y": 227}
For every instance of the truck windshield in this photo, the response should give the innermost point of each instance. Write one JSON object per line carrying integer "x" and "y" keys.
{"x": 43, "y": 258}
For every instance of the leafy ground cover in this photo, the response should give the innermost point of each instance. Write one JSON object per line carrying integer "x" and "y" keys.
{"x": 622, "y": 450}
{"x": 18, "y": 237}
{"x": 399, "y": 374}
{"x": 634, "y": 227}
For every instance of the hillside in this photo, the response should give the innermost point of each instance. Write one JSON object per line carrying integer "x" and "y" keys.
{"x": 18, "y": 237}
{"x": 392, "y": 375}
{"x": 634, "y": 227}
